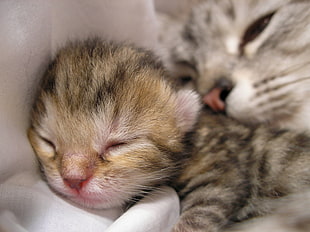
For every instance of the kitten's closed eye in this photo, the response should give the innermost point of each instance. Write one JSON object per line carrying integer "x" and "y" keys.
{"x": 112, "y": 146}
{"x": 115, "y": 145}
{"x": 48, "y": 142}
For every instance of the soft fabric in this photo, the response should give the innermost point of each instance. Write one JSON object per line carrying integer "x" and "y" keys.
{"x": 31, "y": 32}
{"x": 27, "y": 204}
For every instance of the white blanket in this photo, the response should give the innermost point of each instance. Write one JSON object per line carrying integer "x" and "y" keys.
{"x": 31, "y": 31}
{"x": 27, "y": 204}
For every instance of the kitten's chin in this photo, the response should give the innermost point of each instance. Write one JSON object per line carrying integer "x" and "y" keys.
{"x": 96, "y": 203}
{"x": 94, "y": 200}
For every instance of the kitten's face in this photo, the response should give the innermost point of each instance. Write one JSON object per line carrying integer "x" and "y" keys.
{"x": 106, "y": 126}
{"x": 249, "y": 58}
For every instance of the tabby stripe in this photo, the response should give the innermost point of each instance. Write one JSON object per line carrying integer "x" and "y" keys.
{"x": 200, "y": 218}
{"x": 188, "y": 35}
{"x": 208, "y": 202}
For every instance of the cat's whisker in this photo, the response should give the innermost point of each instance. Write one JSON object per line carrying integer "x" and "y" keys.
{"x": 283, "y": 74}
{"x": 286, "y": 83}
{"x": 277, "y": 109}
{"x": 293, "y": 68}
{"x": 276, "y": 100}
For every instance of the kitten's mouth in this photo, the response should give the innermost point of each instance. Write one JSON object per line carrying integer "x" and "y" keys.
{"x": 95, "y": 200}
{"x": 90, "y": 196}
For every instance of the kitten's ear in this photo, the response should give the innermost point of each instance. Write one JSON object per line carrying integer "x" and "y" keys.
{"x": 187, "y": 109}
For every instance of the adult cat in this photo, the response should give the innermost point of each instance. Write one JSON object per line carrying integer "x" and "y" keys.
{"x": 249, "y": 58}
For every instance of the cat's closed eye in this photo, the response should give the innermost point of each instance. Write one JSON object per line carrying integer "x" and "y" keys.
{"x": 254, "y": 30}
{"x": 186, "y": 79}
{"x": 186, "y": 72}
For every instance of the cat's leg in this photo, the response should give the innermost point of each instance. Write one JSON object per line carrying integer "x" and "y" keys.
{"x": 209, "y": 207}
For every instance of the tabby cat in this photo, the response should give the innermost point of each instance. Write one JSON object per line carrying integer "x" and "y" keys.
{"x": 248, "y": 58}
{"x": 107, "y": 128}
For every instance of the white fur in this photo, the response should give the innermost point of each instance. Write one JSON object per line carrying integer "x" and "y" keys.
{"x": 232, "y": 44}
{"x": 187, "y": 109}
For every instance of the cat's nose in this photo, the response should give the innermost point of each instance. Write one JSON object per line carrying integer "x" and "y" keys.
{"x": 216, "y": 97}
{"x": 75, "y": 183}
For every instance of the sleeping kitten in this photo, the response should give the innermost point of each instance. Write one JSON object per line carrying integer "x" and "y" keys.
{"x": 249, "y": 58}
{"x": 107, "y": 128}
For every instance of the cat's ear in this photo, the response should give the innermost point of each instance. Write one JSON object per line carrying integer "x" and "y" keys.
{"x": 187, "y": 109}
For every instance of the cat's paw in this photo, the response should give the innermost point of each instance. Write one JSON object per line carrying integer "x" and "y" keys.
{"x": 184, "y": 228}
{"x": 191, "y": 224}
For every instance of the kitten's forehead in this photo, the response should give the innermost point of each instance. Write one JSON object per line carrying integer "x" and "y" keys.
{"x": 122, "y": 104}
{"x": 90, "y": 98}
{"x": 91, "y": 77}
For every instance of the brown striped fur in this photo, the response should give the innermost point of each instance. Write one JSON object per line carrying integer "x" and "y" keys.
{"x": 236, "y": 171}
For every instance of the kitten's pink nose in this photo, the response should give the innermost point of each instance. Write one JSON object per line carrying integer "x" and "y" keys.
{"x": 214, "y": 101}
{"x": 76, "y": 169}
{"x": 75, "y": 183}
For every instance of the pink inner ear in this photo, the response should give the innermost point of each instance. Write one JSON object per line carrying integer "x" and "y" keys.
{"x": 187, "y": 109}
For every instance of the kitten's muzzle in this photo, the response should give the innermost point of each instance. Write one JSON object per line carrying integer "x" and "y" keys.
{"x": 76, "y": 184}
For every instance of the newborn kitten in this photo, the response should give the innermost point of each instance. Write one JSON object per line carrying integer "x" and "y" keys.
{"x": 249, "y": 58}
{"x": 108, "y": 128}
